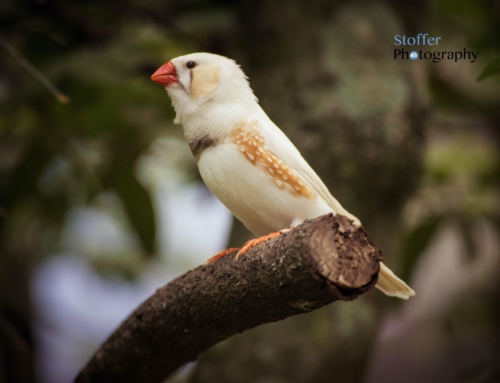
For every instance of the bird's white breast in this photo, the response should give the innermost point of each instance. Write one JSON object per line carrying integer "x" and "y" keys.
{"x": 257, "y": 197}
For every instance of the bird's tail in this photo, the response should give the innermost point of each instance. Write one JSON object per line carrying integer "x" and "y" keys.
{"x": 391, "y": 285}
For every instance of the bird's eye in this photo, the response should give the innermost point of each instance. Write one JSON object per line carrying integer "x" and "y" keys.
{"x": 190, "y": 64}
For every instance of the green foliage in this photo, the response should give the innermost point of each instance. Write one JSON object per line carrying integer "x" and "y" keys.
{"x": 136, "y": 201}
{"x": 492, "y": 69}
{"x": 461, "y": 156}
{"x": 416, "y": 241}
{"x": 63, "y": 156}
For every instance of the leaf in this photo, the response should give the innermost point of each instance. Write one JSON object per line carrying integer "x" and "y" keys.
{"x": 492, "y": 69}
{"x": 416, "y": 242}
{"x": 466, "y": 230}
{"x": 136, "y": 201}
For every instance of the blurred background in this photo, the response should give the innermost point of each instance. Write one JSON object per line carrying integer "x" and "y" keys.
{"x": 101, "y": 202}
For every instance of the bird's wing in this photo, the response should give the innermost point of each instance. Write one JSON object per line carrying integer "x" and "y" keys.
{"x": 284, "y": 149}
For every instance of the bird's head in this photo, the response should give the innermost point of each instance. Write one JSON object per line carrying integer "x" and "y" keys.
{"x": 198, "y": 79}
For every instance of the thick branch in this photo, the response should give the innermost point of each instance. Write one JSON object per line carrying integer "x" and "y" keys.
{"x": 319, "y": 262}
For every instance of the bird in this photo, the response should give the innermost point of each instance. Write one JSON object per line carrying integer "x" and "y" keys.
{"x": 245, "y": 160}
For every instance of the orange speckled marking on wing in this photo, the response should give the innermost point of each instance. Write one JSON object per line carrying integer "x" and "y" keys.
{"x": 250, "y": 141}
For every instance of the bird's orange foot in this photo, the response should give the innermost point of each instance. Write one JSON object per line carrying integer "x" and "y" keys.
{"x": 254, "y": 242}
{"x": 220, "y": 254}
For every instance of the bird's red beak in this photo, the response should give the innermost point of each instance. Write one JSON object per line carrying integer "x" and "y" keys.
{"x": 165, "y": 75}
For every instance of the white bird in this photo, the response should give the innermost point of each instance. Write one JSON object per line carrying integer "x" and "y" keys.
{"x": 244, "y": 158}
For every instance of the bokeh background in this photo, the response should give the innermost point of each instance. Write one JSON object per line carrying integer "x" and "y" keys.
{"x": 101, "y": 202}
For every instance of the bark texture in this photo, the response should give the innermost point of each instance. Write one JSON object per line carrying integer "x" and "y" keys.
{"x": 321, "y": 261}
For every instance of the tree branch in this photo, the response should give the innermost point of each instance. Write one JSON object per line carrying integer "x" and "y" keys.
{"x": 319, "y": 262}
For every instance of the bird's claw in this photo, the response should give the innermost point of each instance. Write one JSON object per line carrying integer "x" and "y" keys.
{"x": 220, "y": 254}
{"x": 247, "y": 246}
{"x": 254, "y": 242}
